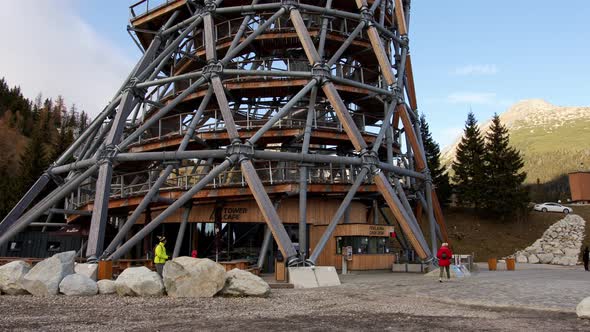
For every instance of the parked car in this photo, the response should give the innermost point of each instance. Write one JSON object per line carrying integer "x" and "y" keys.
{"x": 552, "y": 207}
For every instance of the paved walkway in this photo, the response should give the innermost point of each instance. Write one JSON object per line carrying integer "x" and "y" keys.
{"x": 530, "y": 286}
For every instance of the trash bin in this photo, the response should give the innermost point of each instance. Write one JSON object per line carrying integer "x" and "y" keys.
{"x": 510, "y": 264}
{"x": 492, "y": 264}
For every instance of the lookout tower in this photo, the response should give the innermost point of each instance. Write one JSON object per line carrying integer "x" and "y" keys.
{"x": 297, "y": 119}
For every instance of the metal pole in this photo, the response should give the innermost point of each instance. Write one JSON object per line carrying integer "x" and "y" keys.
{"x": 181, "y": 230}
{"x": 188, "y": 195}
{"x": 337, "y": 216}
{"x": 38, "y": 210}
{"x": 303, "y": 247}
{"x": 264, "y": 249}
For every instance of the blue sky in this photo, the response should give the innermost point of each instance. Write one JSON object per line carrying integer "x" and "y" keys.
{"x": 483, "y": 55}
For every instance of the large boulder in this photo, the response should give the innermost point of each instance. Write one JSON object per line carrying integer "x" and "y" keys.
{"x": 193, "y": 277}
{"x": 106, "y": 286}
{"x": 545, "y": 258}
{"x": 572, "y": 252}
{"x": 44, "y": 278}
{"x": 583, "y": 308}
{"x": 11, "y": 276}
{"x": 139, "y": 281}
{"x": 244, "y": 283}
{"x": 533, "y": 259}
{"x": 521, "y": 259}
{"x": 89, "y": 270}
{"x": 78, "y": 285}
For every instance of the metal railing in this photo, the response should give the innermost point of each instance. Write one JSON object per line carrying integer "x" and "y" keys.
{"x": 270, "y": 173}
{"x": 177, "y": 125}
{"x": 225, "y": 31}
{"x": 352, "y": 72}
{"x": 143, "y": 7}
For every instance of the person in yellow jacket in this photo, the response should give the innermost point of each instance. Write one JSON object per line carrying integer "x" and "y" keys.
{"x": 160, "y": 255}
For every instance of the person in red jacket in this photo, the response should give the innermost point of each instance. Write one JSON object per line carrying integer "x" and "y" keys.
{"x": 444, "y": 256}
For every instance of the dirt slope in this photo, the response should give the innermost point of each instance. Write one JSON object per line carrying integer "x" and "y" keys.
{"x": 492, "y": 238}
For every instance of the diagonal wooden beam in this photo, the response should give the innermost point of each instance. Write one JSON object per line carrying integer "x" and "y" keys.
{"x": 400, "y": 17}
{"x": 410, "y": 87}
{"x": 268, "y": 211}
{"x": 414, "y": 235}
{"x": 378, "y": 48}
{"x": 342, "y": 112}
{"x": 303, "y": 34}
{"x": 412, "y": 137}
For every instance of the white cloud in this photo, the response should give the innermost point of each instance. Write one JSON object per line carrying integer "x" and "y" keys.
{"x": 476, "y": 70}
{"x": 49, "y": 48}
{"x": 472, "y": 98}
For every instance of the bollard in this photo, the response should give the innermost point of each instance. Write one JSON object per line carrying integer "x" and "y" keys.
{"x": 492, "y": 264}
{"x": 105, "y": 270}
{"x": 510, "y": 264}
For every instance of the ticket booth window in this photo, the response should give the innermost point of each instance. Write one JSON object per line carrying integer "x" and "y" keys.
{"x": 363, "y": 245}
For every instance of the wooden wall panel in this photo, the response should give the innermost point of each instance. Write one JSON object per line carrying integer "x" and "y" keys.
{"x": 359, "y": 262}
{"x": 319, "y": 212}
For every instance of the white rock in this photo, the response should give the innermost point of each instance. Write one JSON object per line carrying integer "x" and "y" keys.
{"x": 106, "y": 286}
{"x": 533, "y": 259}
{"x": 139, "y": 281}
{"x": 89, "y": 270}
{"x": 78, "y": 285}
{"x": 557, "y": 252}
{"x": 44, "y": 278}
{"x": 570, "y": 261}
{"x": 193, "y": 277}
{"x": 571, "y": 252}
{"x": 11, "y": 276}
{"x": 583, "y": 308}
{"x": 244, "y": 283}
{"x": 521, "y": 259}
{"x": 545, "y": 258}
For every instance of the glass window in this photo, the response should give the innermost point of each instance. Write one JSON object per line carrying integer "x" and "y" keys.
{"x": 363, "y": 245}
{"x": 15, "y": 246}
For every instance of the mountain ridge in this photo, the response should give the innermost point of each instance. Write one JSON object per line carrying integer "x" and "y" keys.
{"x": 553, "y": 140}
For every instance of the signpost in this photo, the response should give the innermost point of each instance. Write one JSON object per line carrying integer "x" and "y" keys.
{"x": 346, "y": 256}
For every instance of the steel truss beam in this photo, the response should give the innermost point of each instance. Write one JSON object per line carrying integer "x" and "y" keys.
{"x": 103, "y": 146}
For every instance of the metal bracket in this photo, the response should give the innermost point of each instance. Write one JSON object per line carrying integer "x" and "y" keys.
{"x": 290, "y": 4}
{"x": 108, "y": 153}
{"x": 321, "y": 73}
{"x": 370, "y": 161}
{"x": 367, "y": 16}
{"x": 398, "y": 94}
{"x": 213, "y": 68}
{"x": 243, "y": 151}
{"x": 405, "y": 42}
{"x": 132, "y": 88}
{"x": 428, "y": 175}
{"x": 210, "y": 6}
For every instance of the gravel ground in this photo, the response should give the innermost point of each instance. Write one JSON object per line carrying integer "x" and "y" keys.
{"x": 382, "y": 301}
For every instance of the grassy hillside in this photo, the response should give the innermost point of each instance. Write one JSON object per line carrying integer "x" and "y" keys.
{"x": 552, "y": 151}
{"x": 553, "y": 140}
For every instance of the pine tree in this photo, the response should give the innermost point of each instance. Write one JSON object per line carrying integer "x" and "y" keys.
{"x": 468, "y": 166}
{"x": 440, "y": 177}
{"x": 504, "y": 192}
{"x": 33, "y": 160}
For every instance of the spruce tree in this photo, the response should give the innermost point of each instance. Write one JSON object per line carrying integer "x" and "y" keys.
{"x": 468, "y": 166}
{"x": 440, "y": 177}
{"x": 504, "y": 193}
{"x": 33, "y": 160}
